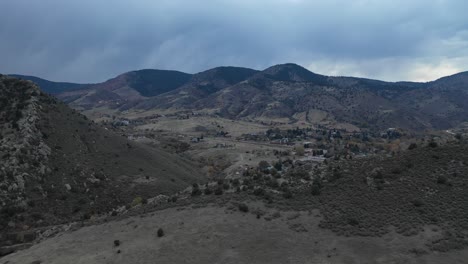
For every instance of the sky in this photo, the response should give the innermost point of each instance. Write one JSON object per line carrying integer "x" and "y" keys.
{"x": 94, "y": 40}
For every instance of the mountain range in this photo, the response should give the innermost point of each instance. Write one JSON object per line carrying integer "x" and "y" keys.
{"x": 281, "y": 91}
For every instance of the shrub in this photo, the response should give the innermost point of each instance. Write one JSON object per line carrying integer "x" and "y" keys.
{"x": 235, "y": 182}
{"x": 418, "y": 202}
{"x": 218, "y": 191}
{"x": 441, "y": 179}
{"x": 412, "y": 146}
{"x": 432, "y": 144}
{"x": 287, "y": 194}
{"x": 353, "y": 221}
{"x": 300, "y": 150}
{"x": 116, "y": 242}
{"x": 243, "y": 208}
{"x": 160, "y": 232}
{"x": 278, "y": 166}
{"x": 208, "y": 191}
{"x": 138, "y": 200}
{"x": 315, "y": 189}
{"x": 263, "y": 165}
{"x": 259, "y": 192}
{"x": 273, "y": 183}
{"x": 316, "y": 186}
{"x": 196, "y": 191}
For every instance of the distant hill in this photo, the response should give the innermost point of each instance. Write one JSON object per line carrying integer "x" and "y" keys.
{"x": 285, "y": 91}
{"x": 127, "y": 88}
{"x": 57, "y": 166}
{"x": 200, "y": 86}
{"x": 50, "y": 86}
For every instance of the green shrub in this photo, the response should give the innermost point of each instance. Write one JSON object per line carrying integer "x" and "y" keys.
{"x": 138, "y": 200}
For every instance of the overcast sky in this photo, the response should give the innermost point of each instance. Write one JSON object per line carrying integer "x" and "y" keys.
{"x": 94, "y": 40}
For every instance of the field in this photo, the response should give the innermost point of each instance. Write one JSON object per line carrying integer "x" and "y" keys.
{"x": 223, "y": 234}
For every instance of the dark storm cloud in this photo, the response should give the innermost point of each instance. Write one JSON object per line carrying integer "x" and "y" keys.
{"x": 90, "y": 41}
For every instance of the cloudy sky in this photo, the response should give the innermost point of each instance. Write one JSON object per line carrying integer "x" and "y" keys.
{"x": 94, "y": 40}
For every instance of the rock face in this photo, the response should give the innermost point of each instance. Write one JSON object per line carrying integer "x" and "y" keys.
{"x": 56, "y": 166}
{"x": 24, "y": 154}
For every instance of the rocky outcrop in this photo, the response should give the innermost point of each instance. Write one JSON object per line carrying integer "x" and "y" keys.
{"x": 24, "y": 154}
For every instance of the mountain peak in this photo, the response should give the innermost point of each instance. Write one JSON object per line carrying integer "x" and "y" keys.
{"x": 293, "y": 72}
{"x": 229, "y": 74}
{"x": 151, "y": 82}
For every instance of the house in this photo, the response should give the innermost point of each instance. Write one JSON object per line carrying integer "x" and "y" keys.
{"x": 121, "y": 123}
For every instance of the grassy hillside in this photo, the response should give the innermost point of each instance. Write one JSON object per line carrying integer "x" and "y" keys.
{"x": 58, "y": 166}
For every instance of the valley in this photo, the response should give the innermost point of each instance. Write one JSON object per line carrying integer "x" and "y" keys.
{"x": 236, "y": 166}
{"x": 234, "y": 132}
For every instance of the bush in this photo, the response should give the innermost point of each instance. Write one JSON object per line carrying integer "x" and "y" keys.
{"x": 441, "y": 179}
{"x": 353, "y": 221}
{"x": 160, "y": 232}
{"x": 208, "y": 191}
{"x": 432, "y": 144}
{"x": 263, "y": 165}
{"x": 412, "y": 146}
{"x": 259, "y": 192}
{"x": 418, "y": 202}
{"x": 287, "y": 194}
{"x": 316, "y": 186}
{"x": 300, "y": 150}
{"x": 218, "y": 191}
{"x": 315, "y": 189}
{"x": 278, "y": 166}
{"x": 196, "y": 191}
{"x": 138, "y": 200}
{"x": 235, "y": 182}
{"x": 273, "y": 183}
{"x": 243, "y": 208}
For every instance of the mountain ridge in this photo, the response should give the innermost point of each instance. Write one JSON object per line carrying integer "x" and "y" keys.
{"x": 284, "y": 91}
